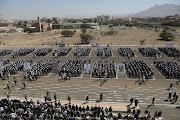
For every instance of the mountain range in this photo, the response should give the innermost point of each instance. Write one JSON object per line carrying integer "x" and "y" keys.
{"x": 159, "y": 11}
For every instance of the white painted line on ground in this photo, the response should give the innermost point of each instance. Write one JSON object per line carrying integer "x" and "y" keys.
{"x": 90, "y": 53}
{"x": 68, "y": 54}
{"x": 16, "y": 74}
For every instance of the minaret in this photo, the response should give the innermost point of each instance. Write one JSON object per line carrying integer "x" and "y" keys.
{"x": 39, "y": 21}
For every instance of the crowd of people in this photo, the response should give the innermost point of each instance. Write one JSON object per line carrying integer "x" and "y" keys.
{"x": 13, "y": 68}
{"x": 43, "y": 67}
{"x": 138, "y": 69}
{"x": 42, "y": 52}
{"x": 104, "y": 69}
{"x": 170, "y": 51}
{"x": 5, "y": 52}
{"x": 170, "y": 69}
{"x": 72, "y": 67}
{"x": 62, "y": 51}
{"x": 22, "y": 52}
{"x": 149, "y": 52}
{"x": 15, "y": 109}
{"x": 82, "y": 51}
{"x": 5, "y": 61}
{"x": 126, "y": 52}
{"x": 104, "y": 51}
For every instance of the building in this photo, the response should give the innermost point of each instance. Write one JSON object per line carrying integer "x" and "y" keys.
{"x": 103, "y": 18}
{"x": 2, "y": 21}
{"x": 78, "y": 25}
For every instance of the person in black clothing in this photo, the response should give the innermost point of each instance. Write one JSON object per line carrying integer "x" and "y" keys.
{"x": 136, "y": 102}
{"x": 153, "y": 101}
{"x": 131, "y": 101}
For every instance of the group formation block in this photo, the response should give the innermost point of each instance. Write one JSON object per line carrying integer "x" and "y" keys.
{"x": 22, "y": 52}
{"x": 138, "y": 69}
{"x": 42, "y": 52}
{"x": 73, "y": 67}
{"x": 14, "y": 67}
{"x": 5, "y": 61}
{"x": 43, "y": 67}
{"x": 104, "y": 68}
{"x": 104, "y": 51}
{"x": 126, "y": 52}
{"x": 62, "y": 51}
{"x": 149, "y": 52}
{"x": 170, "y": 51}
{"x": 82, "y": 51}
{"x": 169, "y": 69}
{"x": 5, "y": 52}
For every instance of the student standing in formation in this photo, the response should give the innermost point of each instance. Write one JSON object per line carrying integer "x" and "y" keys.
{"x": 101, "y": 96}
{"x": 87, "y": 98}
{"x": 69, "y": 99}
{"x": 153, "y": 101}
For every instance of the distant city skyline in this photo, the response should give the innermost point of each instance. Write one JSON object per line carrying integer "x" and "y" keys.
{"x": 30, "y": 9}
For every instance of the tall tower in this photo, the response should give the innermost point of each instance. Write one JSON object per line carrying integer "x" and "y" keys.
{"x": 39, "y": 22}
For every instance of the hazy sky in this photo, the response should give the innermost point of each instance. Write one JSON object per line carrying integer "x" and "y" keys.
{"x": 30, "y": 9}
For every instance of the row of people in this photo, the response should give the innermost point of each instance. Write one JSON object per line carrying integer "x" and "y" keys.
{"x": 170, "y": 51}
{"x": 138, "y": 69}
{"x": 15, "y": 109}
{"x": 62, "y": 51}
{"x": 104, "y": 69}
{"x": 14, "y": 68}
{"x": 5, "y": 52}
{"x": 104, "y": 51}
{"x": 5, "y": 61}
{"x": 169, "y": 69}
{"x": 42, "y": 52}
{"x": 126, "y": 52}
{"x": 72, "y": 68}
{"x": 149, "y": 52}
{"x": 43, "y": 67}
{"x": 82, "y": 51}
{"x": 22, "y": 52}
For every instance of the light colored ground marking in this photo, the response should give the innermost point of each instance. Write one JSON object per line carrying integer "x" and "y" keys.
{"x": 66, "y": 86}
{"x": 16, "y": 74}
{"x": 65, "y": 89}
{"x": 90, "y": 53}
{"x": 39, "y": 83}
{"x": 137, "y": 78}
{"x": 45, "y": 88}
{"x": 75, "y": 88}
{"x": 28, "y": 87}
{"x": 37, "y": 86}
{"x": 68, "y": 54}
{"x": 83, "y": 90}
{"x": 33, "y": 89}
{"x": 120, "y": 100}
{"x": 55, "y": 87}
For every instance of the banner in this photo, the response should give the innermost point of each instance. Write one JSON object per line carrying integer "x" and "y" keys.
{"x": 27, "y": 66}
{"x": 87, "y": 68}
{"x": 1, "y": 65}
{"x": 121, "y": 69}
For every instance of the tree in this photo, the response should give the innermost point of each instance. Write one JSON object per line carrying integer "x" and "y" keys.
{"x": 166, "y": 36}
{"x": 84, "y": 31}
{"x": 142, "y": 41}
{"x": 67, "y": 33}
{"x": 85, "y": 38}
{"x": 86, "y": 26}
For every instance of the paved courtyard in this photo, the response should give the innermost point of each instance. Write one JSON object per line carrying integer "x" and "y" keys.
{"x": 116, "y": 91}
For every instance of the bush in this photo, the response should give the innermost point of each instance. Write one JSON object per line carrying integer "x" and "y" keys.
{"x": 85, "y": 38}
{"x": 166, "y": 36}
{"x": 142, "y": 42}
{"x": 109, "y": 33}
{"x": 67, "y": 33}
